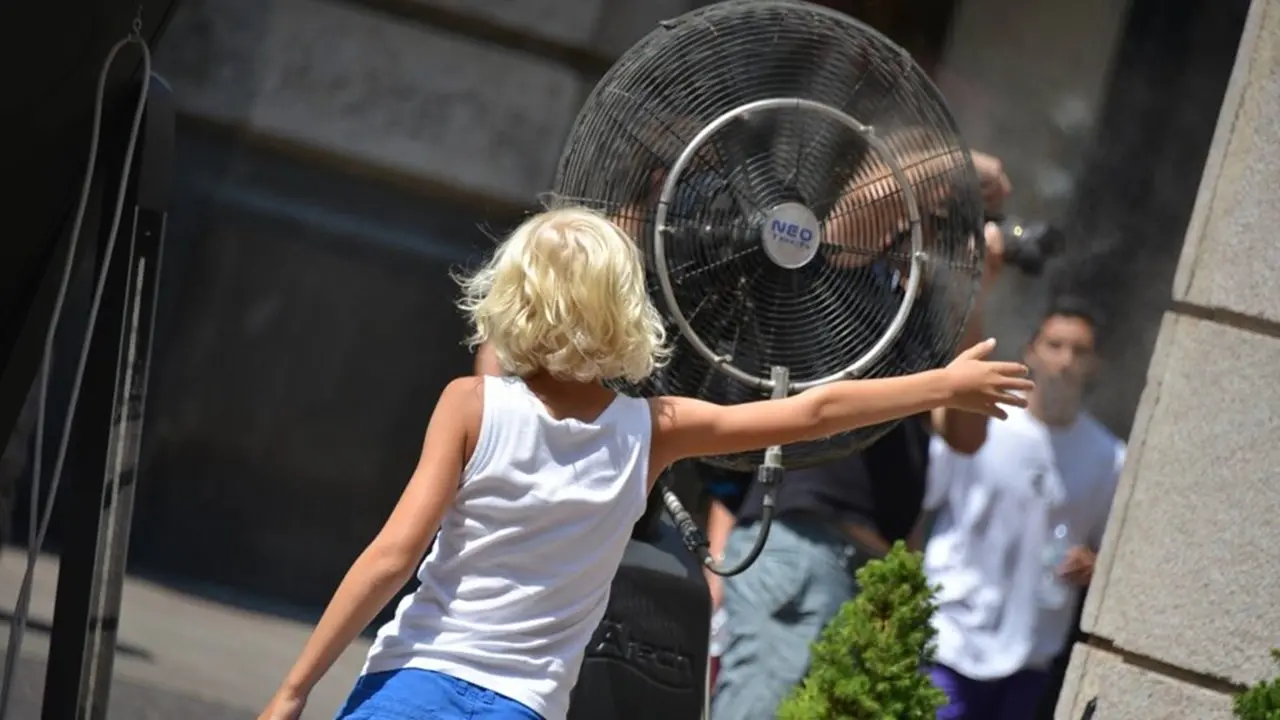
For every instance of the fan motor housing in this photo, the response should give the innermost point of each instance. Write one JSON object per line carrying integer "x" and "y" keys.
{"x": 791, "y": 235}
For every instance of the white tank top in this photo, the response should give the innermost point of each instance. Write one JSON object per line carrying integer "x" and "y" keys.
{"x": 519, "y": 576}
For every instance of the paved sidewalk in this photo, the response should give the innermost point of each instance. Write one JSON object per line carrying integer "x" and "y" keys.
{"x": 180, "y": 656}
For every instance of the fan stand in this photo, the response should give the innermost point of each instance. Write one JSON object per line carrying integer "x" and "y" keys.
{"x": 794, "y": 252}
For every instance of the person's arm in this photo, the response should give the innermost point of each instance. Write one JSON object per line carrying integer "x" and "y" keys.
{"x": 487, "y": 361}
{"x": 915, "y": 540}
{"x": 1078, "y": 566}
{"x": 873, "y": 210}
{"x": 389, "y": 561}
{"x": 685, "y": 428}
{"x": 967, "y": 432}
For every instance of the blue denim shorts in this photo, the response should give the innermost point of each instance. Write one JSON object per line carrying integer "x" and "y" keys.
{"x": 412, "y": 694}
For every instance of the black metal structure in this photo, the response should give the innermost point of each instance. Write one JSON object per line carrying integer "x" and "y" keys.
{"x": 648, "y": 656}
{"x": 50, "y": 80}
{"x": 103, "y": 466}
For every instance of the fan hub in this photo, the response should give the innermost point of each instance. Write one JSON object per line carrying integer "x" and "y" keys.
{"x": 791, "y": 235}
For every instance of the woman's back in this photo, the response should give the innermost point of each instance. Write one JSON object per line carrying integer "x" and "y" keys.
{"x": 519, "y": 575}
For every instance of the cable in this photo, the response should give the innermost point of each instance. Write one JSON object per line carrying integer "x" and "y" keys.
{"x": 769, "y": 474}
{"x": 696, "y": 542}
{"x": 39, "y": 525}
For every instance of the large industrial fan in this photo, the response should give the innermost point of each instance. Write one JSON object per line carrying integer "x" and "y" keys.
{"x": 808, "y": 213}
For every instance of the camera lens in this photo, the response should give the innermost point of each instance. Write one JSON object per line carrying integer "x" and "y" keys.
{"x": 1028, "y": 246}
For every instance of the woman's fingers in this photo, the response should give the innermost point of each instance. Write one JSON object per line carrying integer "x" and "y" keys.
{"x": 1017, "y": 384}
{"x": 996, "y": 412}
{"x": 1011, "y": 399}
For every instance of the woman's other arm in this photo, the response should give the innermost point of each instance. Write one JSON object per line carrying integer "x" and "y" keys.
{"x": 389, "y": 561}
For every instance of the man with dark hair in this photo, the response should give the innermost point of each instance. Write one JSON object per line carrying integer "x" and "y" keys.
{"x": 1018, "y": 528}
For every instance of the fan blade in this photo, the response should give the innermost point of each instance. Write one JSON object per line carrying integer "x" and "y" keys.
{"x": 743, "y": 146}
{"x": 829, "y": 154}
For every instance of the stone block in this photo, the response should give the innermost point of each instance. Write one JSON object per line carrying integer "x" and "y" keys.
{"x": 1231, "y": 259}
{"x": 608, "y": 27}
{"x": 361, "y": 86}
{"x": 624, "y": 22}
{"x": 1127, "y": 692}
{"x": 571, "y": 22}
{"x": 1191, "y": 567}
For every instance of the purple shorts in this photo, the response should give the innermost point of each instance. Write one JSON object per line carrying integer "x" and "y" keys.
{"x": 1016, "y": 697}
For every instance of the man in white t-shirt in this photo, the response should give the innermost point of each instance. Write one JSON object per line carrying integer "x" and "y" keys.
{"x": 1017, "y": 531}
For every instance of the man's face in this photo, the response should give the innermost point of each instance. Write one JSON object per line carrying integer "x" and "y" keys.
{"x": 1063, "y": 351}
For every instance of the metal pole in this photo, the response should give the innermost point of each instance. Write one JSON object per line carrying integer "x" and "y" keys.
{"x": 102, "y": 468}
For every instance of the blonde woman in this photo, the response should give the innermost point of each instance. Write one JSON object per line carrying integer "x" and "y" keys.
{"x": 531, "y": 483}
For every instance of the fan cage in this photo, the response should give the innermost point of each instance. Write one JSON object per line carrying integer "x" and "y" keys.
{"x": 724, "y": 362}
{"x": 819, "y": 319}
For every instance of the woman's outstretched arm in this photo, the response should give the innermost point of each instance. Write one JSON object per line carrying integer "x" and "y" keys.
{"x": 685, "y": 427}
{"x": 389, "y": 561}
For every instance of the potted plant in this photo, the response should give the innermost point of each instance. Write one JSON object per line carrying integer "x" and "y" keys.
{"x": 871, "y": 661}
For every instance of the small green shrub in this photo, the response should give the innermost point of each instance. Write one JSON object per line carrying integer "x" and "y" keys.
{"x": 870, "y": 662}
{"x": 1262, "y": 701}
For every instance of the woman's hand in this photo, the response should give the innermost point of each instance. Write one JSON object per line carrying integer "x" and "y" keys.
{"x": 284, "y": 706}
{"x": 981, "y": 386}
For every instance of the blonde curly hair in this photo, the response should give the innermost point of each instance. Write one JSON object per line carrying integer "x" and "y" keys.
{"x": 565, "y": 294}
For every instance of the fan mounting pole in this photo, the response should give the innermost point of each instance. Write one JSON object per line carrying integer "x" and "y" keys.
{"x": 769, "y": 475}
{"x": 770, "y": 472}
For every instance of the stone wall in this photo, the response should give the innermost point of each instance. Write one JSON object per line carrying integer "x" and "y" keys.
{"x": 395, "y": 92}
{"x": 1182, "y": 612}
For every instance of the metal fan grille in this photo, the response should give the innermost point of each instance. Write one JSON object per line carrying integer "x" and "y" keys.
{"x": 815, "y": 319}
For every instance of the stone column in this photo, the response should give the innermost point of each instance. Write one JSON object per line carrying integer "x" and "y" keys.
{"x": 1183, "y": 610}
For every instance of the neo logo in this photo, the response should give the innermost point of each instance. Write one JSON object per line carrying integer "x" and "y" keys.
{"x": 791, "y": 233}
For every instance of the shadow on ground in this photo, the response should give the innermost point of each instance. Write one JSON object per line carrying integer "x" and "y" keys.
{"x": 44, "y": 627}
{"x": 215, "y": 593}
{"x": 128, "y": 700}
{"x": 256, "y": 603}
